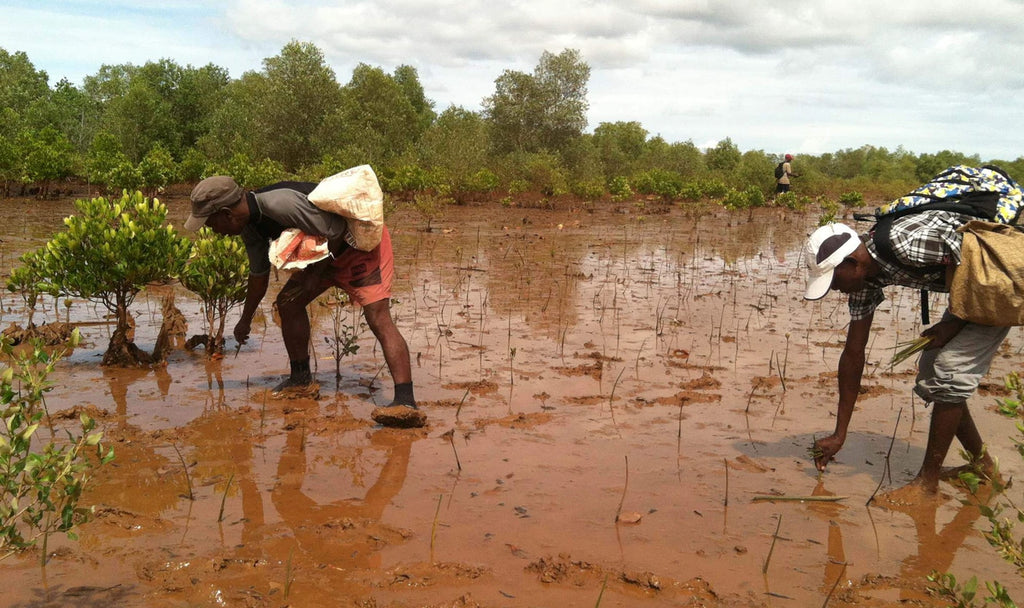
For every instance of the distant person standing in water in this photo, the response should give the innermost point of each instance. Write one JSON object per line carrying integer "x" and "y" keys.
{"x": 783, "y": 172}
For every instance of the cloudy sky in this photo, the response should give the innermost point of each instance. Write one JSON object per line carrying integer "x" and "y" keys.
{"x": 795, "y": 76}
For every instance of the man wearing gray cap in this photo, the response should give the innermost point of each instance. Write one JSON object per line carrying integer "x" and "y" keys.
{"x": 261, "y": 216}
{"x": 925, "y": 246}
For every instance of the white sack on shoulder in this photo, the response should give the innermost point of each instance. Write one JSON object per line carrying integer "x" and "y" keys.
{"x": 294, "y": 250}
{"x": 356, "y": 195}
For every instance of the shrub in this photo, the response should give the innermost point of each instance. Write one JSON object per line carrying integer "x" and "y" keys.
{"x": 619, "y": 188}
{"x": 217, "y": 271}
{"x": 590, "y": 190}
{"x": 666, "y": 184}
{"x": 713, "y": 188}
{"x": 156, "y": 170}
{"x": 27, "y": 281}
{"x": 788, "y": 200}
{"x": 249, "y": 174}
{"x": 518, "y": 186}
{"x": 192, "y": 166}
{"x": 735, "y": 200}
{"x": 108, "y": 252}
{"x": 851, "y": 199}
{"x": 483, "y": 180}
{"x": 405, "y": 178}
{"x": 691, "y": 191}
{"x": 755, "y": 196}
{"x": 124, "y": 176}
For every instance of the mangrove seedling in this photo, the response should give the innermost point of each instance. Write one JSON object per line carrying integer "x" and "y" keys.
{"x": 27, "y": 281}
{"x": 345, "y": 340}
{"x": 217, "y": 271}
{"x": 41, "y": 479}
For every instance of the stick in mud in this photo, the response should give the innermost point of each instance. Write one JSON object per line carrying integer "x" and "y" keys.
{"x": 433, "y": 529}
{"x": 725, "y": 502}
{"x": 773, "y": 498}
{"x": 775, "y": 537}
{"x": 223, "y": 499}
{"x": 459, "y": 409}
{"x": 184, "y": 467}
{"x": 782, "y": 374}
{"x": 886, "y": 470}
{"x": 288, "y": 574}
{"x": 618, "y": 512}
{"x": 450, "y": 436}
{"x": 601, "y": 594}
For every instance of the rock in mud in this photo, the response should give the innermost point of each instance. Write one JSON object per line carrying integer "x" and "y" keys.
{"x": 399, "y": 416}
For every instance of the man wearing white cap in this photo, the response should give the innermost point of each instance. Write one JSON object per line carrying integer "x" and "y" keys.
{"x": 925, "y": 247}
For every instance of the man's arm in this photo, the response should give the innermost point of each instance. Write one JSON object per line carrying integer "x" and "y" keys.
{"x": 851, "y": 368}
{"x": 255, "y": 290}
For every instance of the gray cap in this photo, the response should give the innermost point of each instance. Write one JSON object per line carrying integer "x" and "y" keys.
{"x": 210, "y": 196}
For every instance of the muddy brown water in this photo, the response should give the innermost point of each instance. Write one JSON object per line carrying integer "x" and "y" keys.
{"x": 574, "y": 364}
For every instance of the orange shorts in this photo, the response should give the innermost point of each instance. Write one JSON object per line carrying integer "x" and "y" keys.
{"x": 365, "y": 276}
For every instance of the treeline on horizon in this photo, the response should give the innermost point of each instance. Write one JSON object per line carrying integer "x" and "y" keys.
{"x": 146, "y": 127}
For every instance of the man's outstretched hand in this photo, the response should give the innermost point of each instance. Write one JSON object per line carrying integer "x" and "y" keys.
{"x": 242, "y": 331}
{"x": 825, "y": 449}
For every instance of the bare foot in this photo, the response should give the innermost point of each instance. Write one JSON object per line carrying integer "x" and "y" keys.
{"x": 914, "y": 494}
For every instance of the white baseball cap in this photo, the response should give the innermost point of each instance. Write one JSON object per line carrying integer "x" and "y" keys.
{"x": 825, "y": 249}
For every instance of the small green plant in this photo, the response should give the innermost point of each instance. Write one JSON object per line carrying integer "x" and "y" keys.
{"x": 666, "y": 184}
{"x": 345, "y": 340}
{"x": 40, "y": 488}
{"x": 945, "y": 586}
{"x": 619, "y": 188}
{"x": 691, "y": 191}
{"x": 851, "y": 199}
{"x": 156, "y": 170}
{"x": 829, "y": 210}
{"x": 735, "y": 200}
{"x": 713, "y": 188}
{"x": 1010, "y": 406}
{"x": 27, "y": 281}
{"x": 430, "y": 206}
{"x": 217, "y": 271}
{"x": 590, "y": 190}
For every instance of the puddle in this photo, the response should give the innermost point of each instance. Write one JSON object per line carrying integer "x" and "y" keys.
{"x": 572, "y": 365}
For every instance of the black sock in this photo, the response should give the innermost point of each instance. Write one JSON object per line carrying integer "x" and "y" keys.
{"x": 403, "y": 394}
{"x": 300, "y": 367}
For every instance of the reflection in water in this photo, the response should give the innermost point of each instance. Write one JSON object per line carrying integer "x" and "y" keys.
{"x": 936, "y": 546}
{"x": 317, "y": 526}
{"x": 835, "y": 562}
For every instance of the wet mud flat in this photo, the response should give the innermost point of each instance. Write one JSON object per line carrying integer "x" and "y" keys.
{"x": 610, "y": 393}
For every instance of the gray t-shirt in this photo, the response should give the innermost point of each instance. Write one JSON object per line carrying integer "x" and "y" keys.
{"x": 273, "y": 211}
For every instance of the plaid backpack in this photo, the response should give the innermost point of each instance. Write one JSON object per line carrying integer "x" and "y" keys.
{"x": 986, "y": 193}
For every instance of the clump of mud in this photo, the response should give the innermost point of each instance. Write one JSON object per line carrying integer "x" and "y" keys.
{"x": 399, "y": 416}
{"x": 50, "y": 334}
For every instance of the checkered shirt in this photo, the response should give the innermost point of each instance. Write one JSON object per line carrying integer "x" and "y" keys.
{"x": 919, "y": 240}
